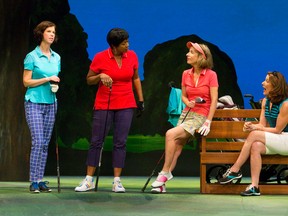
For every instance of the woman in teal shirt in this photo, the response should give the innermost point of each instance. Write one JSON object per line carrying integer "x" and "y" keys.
{"x": 269, "y": 136}
{"x": 41, "y": 67}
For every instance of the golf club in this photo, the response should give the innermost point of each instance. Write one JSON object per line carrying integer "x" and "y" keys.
{"x": 162, "y": 156}
{"x": 54, "y": 89}
{"x": 100, "y": 157}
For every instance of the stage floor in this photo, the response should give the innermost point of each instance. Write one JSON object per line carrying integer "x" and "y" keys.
{"x": 182, "y": 198}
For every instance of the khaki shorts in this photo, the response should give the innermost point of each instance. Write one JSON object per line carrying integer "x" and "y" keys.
{"x": 192, "y": 122}
{"x": 276, "y": 143}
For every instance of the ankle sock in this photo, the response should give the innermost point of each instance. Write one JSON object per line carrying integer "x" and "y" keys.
{"x": 165, "y": 173}
{"x": 89, "y": 178}
{"x": 116, "y": 179}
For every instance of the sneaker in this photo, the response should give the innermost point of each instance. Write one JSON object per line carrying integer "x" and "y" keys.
{"x": 251, "y": 191}
{"x": 34, "y": 187}
{"x": 158, "y": 190}
{"x": 43, "y": 187}
{"x": 117, "y": 187}
{"x": 85, "y": 185}
{"x": 230, "y": 176}
{"x": 161, "y": 179}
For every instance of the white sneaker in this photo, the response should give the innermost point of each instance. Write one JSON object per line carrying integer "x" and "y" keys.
{"x": 85, "y": 185}
{"x": 161, "y": 179}
{"x": 158, "y": 190}
{"x": 118, "y": 187}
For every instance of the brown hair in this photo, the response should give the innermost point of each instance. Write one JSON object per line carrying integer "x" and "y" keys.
{"x": 208, "y": 62}
{"x": 280, "y": 87}
{"x": 40, "y": 28}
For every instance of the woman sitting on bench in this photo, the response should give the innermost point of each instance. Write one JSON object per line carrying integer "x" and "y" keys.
{"x": 269, "y": 136}
{"x": 199, "y": 93}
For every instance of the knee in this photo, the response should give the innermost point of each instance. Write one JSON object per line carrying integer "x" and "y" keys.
{"x": 256, "y": 148}
{"x": 169, "y": 134}
{"x": 255, "y": 134}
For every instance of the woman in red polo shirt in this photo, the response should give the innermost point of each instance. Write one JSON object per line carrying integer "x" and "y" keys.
{"x": 115, "y": 71}
{"x": 198, "y": 82}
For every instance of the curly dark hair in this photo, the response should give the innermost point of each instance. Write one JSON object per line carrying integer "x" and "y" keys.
{"x": 280, "y": 87}
{"x": 40, "y": 28}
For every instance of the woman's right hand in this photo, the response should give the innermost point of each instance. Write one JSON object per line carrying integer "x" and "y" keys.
{"x": 249, "y": 126}
{"x": 54, "y": 79}
{"x": 191, "y": 104}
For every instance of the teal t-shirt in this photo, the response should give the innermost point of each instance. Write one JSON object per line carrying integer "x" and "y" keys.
{"x": 41, "y": 67}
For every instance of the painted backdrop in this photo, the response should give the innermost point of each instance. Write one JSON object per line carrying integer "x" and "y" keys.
{"x": 253, "y": 33}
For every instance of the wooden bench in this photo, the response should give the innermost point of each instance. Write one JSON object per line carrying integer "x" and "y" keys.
{"x": 213, "y": 151}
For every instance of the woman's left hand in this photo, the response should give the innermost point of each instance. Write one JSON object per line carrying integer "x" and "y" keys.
{"x": 205, "y": 129}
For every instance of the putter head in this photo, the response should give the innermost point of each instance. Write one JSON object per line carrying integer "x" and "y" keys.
{"x": 199, "y": 100}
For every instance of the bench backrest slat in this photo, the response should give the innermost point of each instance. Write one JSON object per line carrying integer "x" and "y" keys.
{"x": 224, "y": 146}
{"x": 238, "y": 113}
{"x": 227, "y": 129}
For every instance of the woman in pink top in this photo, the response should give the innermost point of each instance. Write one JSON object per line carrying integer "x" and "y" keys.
{"x": 198, "y": 82}
{"x": 115, "y": 71}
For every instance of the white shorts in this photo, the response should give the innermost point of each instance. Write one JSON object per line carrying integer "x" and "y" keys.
{"x": 276, "y": 143}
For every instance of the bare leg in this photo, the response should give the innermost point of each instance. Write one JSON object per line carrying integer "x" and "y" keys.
{"x": 173, "y": 138}
{"x": 117, "y": 172}
{"x": 257, "y": 149}
{"x": 90, "y": 170}
{"x": 254, "y": 136}
{"x": 177, "y": 153}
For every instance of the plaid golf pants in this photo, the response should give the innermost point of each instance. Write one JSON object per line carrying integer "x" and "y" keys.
{"x": 40, "y": 119}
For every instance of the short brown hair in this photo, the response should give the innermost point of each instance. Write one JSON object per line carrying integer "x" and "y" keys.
{"x": 208, "y": 62}
{"x": 40, "y": 28}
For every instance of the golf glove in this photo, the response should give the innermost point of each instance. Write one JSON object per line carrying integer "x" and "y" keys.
{"x": 205, "y": 129}
{"x": 54, "y": 87}
{"x": 140, "y": 108}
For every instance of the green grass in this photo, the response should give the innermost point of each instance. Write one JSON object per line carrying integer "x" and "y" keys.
{"x": 135, "y": 144}
{"x": 182, "y": 198}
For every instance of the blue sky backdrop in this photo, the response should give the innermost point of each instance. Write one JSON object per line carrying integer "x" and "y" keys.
{"x": 252, "y": 32}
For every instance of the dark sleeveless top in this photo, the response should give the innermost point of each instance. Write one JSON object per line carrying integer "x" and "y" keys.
{"x": 271, "y": 115}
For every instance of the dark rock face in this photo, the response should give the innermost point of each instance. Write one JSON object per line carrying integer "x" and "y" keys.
{"x": 165, "y": 63}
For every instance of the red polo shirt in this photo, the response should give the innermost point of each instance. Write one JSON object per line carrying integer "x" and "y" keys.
{"x": 207, "y": 79}
{"x": 122, "y": 95}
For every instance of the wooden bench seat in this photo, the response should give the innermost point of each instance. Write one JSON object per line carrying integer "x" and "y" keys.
{"x": 222, "y": 146}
